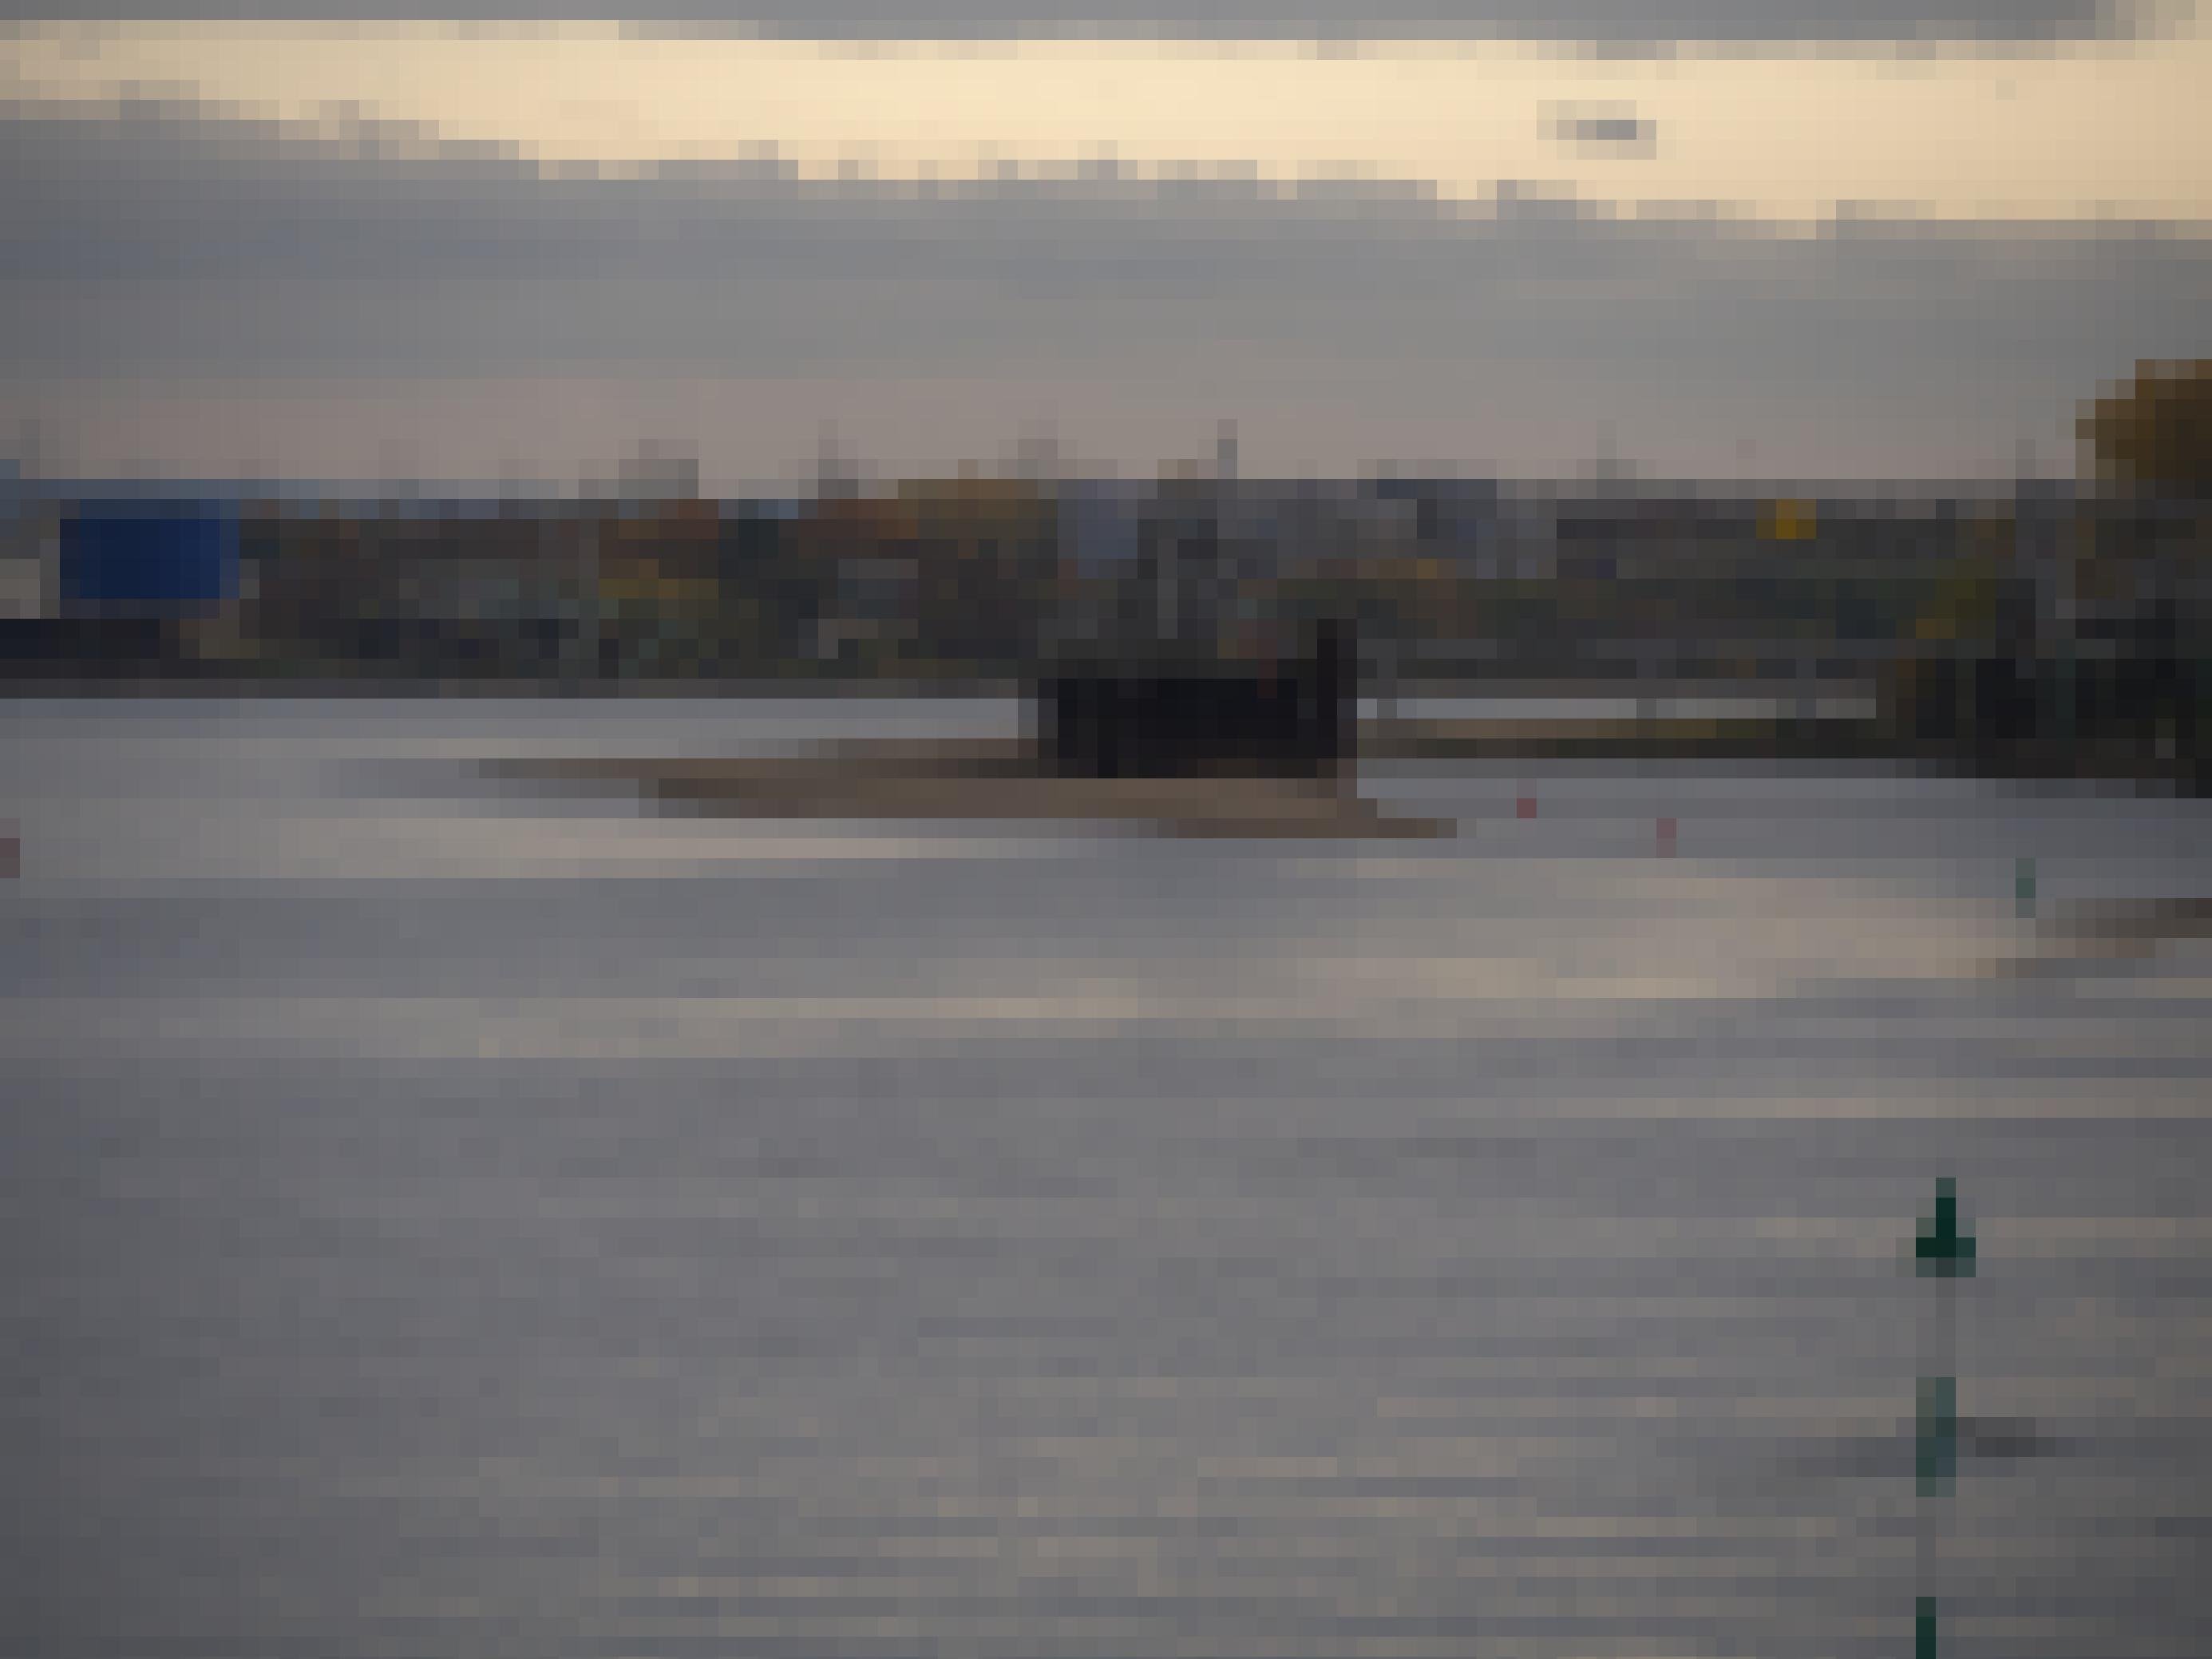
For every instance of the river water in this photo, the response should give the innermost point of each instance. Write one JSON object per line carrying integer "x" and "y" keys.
{"x": 449, "y": 1219}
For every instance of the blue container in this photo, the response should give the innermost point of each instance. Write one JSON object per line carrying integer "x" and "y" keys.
{"x": 160, "y": 558}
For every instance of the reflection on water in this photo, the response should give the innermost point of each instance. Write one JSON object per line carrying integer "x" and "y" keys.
{"x": 445, "y": 1220}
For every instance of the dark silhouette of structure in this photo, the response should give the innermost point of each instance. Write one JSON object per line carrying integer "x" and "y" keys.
{"x": 1155, "y": 715}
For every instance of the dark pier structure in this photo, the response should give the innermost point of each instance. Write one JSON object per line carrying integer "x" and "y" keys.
{"x": 1151, "y": 713}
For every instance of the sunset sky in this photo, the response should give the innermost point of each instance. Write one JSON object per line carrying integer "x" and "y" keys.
{"x": 1738, "y": 239}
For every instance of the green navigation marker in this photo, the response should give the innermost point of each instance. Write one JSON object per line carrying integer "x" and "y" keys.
{"x": 1935, "y": 1443}
{"x": 2023, "y": 887}
{"x": 1942, "y": 1249}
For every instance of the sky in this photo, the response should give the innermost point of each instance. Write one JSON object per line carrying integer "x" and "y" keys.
{"x": 1720, "y": 239}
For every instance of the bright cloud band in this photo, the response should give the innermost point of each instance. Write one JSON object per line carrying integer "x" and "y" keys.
{"x": 2049, "y": 132}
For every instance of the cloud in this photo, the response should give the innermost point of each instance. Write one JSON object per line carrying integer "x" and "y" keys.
{"x": 1623, "y": 21}
{"x": 1609, "y": 128}
{"x": 1338, "y": 323}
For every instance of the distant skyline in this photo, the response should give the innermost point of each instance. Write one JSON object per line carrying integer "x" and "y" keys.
{"x": 1784, "y": 247}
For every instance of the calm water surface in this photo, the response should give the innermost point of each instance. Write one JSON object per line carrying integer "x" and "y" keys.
{"x": 443, "y": 1219}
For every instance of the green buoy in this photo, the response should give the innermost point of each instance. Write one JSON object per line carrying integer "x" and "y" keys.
{"x": 2023, "y": 887}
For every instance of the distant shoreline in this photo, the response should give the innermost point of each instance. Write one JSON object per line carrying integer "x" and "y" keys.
{"x": 215, "y": 680}
{"x": 278, "y": 687}
{"x": 1475, "y": 739}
